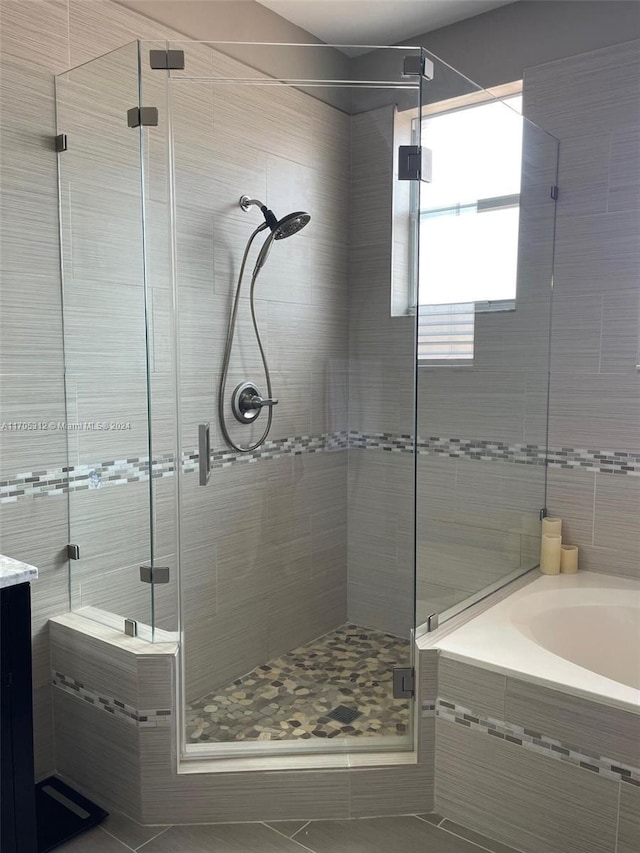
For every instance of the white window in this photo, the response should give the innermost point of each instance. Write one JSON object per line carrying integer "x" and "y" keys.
{"x": 468, "y": 221}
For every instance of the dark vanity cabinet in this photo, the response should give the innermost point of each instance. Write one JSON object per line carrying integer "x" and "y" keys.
{"x": 17, "y": 796}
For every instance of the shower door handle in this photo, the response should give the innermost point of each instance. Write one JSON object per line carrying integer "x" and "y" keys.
{"x": 204, "y": 453}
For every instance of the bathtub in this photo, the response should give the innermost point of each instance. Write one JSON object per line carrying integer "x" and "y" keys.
{"x": 579, "y": 634}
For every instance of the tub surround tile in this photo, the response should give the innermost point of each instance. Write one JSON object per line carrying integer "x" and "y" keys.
{"x": 539, "y": 741}
{"x": 629, "y": 820}
{"x": 511, "y": 794}
{"x": 472, "y": 687}
{"x": 573, "y": 720}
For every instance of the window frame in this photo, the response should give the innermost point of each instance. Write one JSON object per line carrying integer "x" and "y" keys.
{"x": 503, "y": 94}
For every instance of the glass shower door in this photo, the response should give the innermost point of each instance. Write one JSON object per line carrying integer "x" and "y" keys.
{"x": 106, "y": 332}
{"x": 297, "y": 553}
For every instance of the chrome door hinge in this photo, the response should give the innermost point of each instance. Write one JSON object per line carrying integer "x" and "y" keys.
{"x": 167, "y": 60}
{"x": 544, "y": 512}
{"x": 61, "y": 143}
{"x": 73, "y": 552}
{"x": 417, "y": 66}
{"x": 154, "y": 574}
{"x": 414, "y": 163}
{"x": 404, "y": 682}
{"x": 142, "y": 117}
{"x": 555, "y": 192}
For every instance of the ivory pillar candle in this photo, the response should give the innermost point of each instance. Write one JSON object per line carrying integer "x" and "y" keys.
{"x": 569, "y": 559}
{"x": 550, "y": 551}
{"x": 552, "y": 525}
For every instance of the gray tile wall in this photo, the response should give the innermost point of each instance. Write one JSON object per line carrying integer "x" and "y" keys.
{"x": 510, "y": 789}
{"x": 591, "y": 103}
{"x": 518, "y": 798}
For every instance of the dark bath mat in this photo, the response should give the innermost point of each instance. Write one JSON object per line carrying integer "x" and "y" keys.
{"x": 62, "y": 813}
{"x": 344, "y": 715}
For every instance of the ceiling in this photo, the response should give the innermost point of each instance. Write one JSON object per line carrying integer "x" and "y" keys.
{"x": 376, "y": 22}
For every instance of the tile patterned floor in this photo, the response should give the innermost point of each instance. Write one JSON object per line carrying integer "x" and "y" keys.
{"x": 410, "y": 834}
{"x": 339, "y": 685}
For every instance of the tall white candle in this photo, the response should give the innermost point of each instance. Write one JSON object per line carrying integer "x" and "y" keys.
{"x": 550, "y": 551}
{"x": 552, "y": 525}
{"x": 569, "y": 559}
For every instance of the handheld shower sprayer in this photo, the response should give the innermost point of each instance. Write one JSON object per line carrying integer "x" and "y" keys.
{"x": 246, "y": 402}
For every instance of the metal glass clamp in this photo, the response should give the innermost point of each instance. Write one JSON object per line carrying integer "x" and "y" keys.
{"x": 154, "y": 574}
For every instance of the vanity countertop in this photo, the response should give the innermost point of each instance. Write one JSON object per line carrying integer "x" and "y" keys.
{"x": 13, "y": 572}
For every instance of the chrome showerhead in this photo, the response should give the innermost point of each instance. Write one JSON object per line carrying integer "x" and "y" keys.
{"x": 280, "y": 228}
{"x": 290, "y": 224}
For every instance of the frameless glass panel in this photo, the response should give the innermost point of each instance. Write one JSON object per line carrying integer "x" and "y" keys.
{"x": 297, "y": 556}
{"x": 486, "y": 226}
{"x": 105, "y": 311}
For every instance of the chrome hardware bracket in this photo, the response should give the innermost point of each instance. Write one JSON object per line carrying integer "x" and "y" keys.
{"x": 414, "y": 163}
{"x": 166, "y": 60}
{"x": 404, "y": 682}
{"x": 154, "y": 574}
{"x": 142, "y": 117}
{"x": 417, "y": 66}
{"x": 131, "y": 627}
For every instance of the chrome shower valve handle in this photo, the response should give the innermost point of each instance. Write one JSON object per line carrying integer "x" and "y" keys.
{"x": 259, "y": 402}
{"x": 247, "y": 403}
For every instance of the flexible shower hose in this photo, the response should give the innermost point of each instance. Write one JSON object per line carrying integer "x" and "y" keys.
{"x": 229, "y": 345}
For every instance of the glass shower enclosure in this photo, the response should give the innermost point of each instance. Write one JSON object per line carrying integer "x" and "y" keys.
{"x": 265, "y": 467}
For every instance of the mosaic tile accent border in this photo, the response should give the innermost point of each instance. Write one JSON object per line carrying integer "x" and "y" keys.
{"x": 151, "y": 719}
{"x": 538, "y": 742}
{"x": 600, "y": 461}
{"x": 272, "y": 449}
{"x": 118, "y": 472}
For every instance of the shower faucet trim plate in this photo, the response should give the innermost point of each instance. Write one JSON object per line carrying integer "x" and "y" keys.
{"x": 247, "y": 402}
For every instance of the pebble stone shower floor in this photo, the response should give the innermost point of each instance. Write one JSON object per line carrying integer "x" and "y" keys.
{"x": 336, "y": 686}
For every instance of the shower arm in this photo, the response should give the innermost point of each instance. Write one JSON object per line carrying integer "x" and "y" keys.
{"x": 229, "y": 344}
